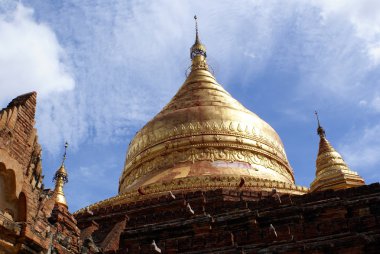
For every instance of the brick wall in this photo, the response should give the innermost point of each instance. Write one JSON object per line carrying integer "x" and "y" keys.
{"x": 220, "y": 221}
{"x": 21, "y": 168}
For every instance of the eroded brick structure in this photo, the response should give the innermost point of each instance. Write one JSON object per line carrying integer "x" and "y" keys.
{"x": 227, "y": 221}
{"x": 27, "y": 223}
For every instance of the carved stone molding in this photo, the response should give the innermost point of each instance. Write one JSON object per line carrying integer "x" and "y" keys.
{"x": 192, "y": 155}
{"x": 146, "y": 138}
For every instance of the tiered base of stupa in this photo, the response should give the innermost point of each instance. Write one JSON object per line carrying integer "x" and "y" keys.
{"x": 202, "y": 183}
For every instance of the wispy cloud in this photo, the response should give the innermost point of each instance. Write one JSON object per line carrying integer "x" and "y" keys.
{"x": 373, "y": 105}
{"x": 92, "y": 181}
{"x": 361, "y": 150}
{"x": 363, "y": 15}
{"x": 31, "y": 57}
{"x": 128, "y": 58}
{"x": 122, "y": 58}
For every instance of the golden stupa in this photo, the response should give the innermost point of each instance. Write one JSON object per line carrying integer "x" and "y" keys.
{"x": 332, "y": 171}
{"x": 203, "y": 138}
{"x": 60, "y": 178}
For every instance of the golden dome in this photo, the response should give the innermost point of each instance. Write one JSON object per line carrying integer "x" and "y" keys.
{"x": 205, "y": 138}
{"x": 332, "y": 171}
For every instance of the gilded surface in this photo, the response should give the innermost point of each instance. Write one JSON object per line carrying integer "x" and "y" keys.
{"x": 203, "y": 123}
{"x": 208, "y": 153}
{"x": 332, "y": 171}
{"x": 60, "y": 178}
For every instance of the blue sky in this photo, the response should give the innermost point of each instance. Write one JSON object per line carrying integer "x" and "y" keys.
{"x": 104, "y": 68}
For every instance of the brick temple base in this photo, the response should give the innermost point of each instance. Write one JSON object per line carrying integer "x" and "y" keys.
{"x": 220, "y": 221}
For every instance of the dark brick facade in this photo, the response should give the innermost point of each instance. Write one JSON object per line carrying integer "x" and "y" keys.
{"x": 219, "y": 221}
{"x": 27, "y": 224}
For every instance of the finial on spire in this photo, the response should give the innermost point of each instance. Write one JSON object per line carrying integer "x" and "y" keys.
{"x": 316, "y": 113}
{"x": 196, "y": 29}
{"x": 198, "y": 51}
{"x": 320, "y": 130}
{"x": 64, "y": 154}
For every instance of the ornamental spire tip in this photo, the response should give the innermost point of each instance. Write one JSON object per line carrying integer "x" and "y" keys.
{"x": 196, "y": 29}
{"x": 320, "y": 130}
{"x": 198, "y": 50}
{"x": 64, "y": 154}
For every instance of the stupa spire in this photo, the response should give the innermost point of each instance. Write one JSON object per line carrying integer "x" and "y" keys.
{"x": 198, "y": 53}
{"x": 332, "y": 171}
{"x": 60, "y": 179}
{"x": 196, "y": 30}
{"x": 320, "y": 130}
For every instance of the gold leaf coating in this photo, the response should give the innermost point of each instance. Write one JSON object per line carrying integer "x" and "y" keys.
{"x": 201, "y": 125}
{"x": 332, "y": 171}
{"x": 203, "y": 133}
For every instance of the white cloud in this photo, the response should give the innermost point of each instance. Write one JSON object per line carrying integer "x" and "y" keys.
{"x": 374, "y": 53}
{"x": 249, "y": 54}
{"x": 129, "y": 59}
{"x": 31, "y": 58}
{"x": 373, "y": 104}
{"x": 364, "y": 15}
{"x": 361, "y": 149}
{"x": 376, "y": 103}
{"x": 101, "y": 175}
{"x": 363, "y": 103}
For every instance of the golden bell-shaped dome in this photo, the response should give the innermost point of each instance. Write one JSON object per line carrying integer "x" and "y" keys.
{"x": 205, "y": 138}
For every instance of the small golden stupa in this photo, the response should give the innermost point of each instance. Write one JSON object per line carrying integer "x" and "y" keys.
{"x": 203, "y": 139}
{"x": 61, "y": 178}
{"x": 332, "y": 171}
